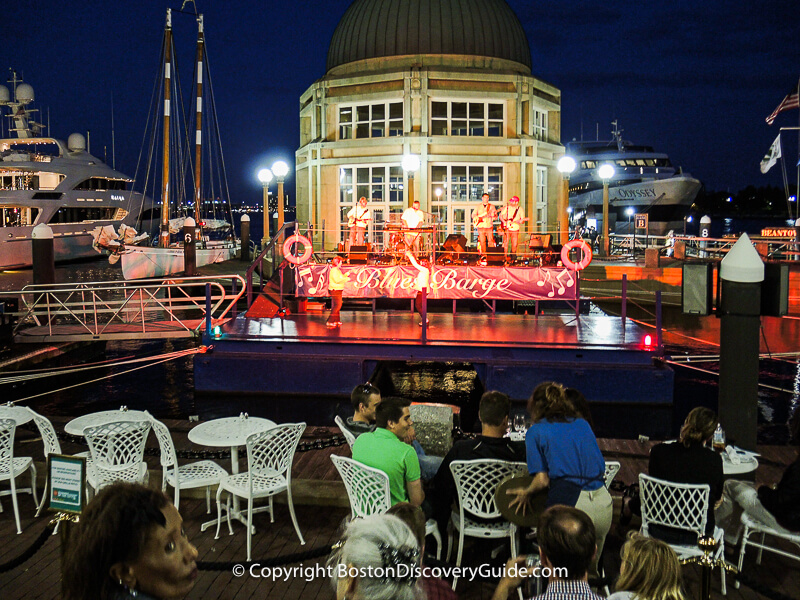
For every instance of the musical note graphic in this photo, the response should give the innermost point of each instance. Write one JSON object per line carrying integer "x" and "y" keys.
{"x": 559, "y": 277}
{"x": 546, "y": 279}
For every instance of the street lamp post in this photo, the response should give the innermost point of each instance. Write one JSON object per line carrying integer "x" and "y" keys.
{"x": 606, "y": 172}
{"x": 410, "y": 165}
{"x": 265, "y": 176}
{"x": 280, "y": 169}
{"x": 629, "y": 211}
{"x": 565, "y": 166}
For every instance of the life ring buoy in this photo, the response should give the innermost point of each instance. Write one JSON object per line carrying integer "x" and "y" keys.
{"x": 298, "y": 259}
{"x": 585, "y": 259}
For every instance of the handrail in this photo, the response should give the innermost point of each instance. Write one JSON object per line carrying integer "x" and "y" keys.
{"x": 274, "y": 243}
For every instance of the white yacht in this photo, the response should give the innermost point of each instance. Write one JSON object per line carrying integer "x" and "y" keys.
{"x": 644, "y": 181}
{"x": 44, "y": 180}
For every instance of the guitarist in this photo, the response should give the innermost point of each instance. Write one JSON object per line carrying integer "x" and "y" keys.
{"x": 357, "y": 220}
{"x": 510, "y": 220}
{"x": 483, "y": 220}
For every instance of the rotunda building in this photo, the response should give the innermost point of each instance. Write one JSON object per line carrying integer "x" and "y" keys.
{"x": 448, "y": 81}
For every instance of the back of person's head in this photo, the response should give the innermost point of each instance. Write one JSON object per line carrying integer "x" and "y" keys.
{"x": 581, "y": 405}
{"x": 381, "y": 545}
{"x": 699, "y": 426}
{"x": 494, "y": 408}
{"x": 650, "y": 569}
{"x": 567, "y": 538}
{"x": 548, "y": 401}
{"x": 390, "y": 409}
{"x": 361, "y": 394}
{"x": 413, "y": 516}
{"x": 113, "y": 528}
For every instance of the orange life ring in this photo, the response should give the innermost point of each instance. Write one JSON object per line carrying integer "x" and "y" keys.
{"x": 299, "y": 259}
{"x": 584, "y": 261}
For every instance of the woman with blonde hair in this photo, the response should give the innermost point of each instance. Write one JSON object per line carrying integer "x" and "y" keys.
{"x": 650, "y": 571}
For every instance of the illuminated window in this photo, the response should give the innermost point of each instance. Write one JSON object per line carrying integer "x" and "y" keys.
{"x": 475, "y": 119}
{"x": 384, "y": 119}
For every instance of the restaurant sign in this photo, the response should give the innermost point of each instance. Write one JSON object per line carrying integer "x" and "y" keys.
{"x": 778, "y": 232}
{"x": 67, "y": 476}
{"x": 478, "y": 283}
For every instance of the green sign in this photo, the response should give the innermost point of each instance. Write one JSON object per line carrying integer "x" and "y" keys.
{"x": 67, "y": 476}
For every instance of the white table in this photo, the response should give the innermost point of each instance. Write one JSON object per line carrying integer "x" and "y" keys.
{"x": 20, "y": 414}
{"x": 233, "y": 432}
{"x": 78, "y": 424}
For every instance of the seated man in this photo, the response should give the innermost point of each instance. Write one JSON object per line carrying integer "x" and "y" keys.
{"x": 566, "y": 546}
{"x": 493, "y": 414}
{"x": 365, "y": 398}
{"x": 384, "y": 449}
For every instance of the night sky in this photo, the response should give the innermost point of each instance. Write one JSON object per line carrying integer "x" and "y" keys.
{"x": 693, "y": 79}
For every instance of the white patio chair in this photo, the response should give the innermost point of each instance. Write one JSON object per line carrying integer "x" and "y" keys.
{"x": 11, "y": 468}
{"x": 270, "y": 454}
{"x": 204, "y": 473}
{"x": 680, "y": 506}
{"x": 476, "y": 482}
{"x": 51, "y": 446}
{"x": 117, "y": 452}
{"x": 369, "y": 493}
{"x": 348, "y": 435}
{"x": 612, "y": 468}
{"x": 753, "y": 526}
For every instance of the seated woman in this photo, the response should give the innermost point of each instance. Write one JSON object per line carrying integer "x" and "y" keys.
{"x": 377, "y": 545}
{"x": 563, "y": 456}
{"x": 650, "y": 570}
{"x": 130, "y": 543}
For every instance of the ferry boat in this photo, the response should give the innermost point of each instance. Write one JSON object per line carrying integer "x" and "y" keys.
{"x": 44, "y": 180}
{"x": 644, "y": 181}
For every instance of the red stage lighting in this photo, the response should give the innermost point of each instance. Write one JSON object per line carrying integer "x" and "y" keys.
{"x": 648, "y": 341}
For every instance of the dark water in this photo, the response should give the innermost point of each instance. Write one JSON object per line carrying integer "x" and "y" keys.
{"x": 167, "y": 389}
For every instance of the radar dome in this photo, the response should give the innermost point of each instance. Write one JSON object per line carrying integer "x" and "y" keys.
{"x": 76, "y": 142}
{"x": 4, "y": 95}
{"x": 24, "y": 93}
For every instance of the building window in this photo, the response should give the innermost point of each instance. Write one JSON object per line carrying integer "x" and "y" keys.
{"x": 475, "y": 119}
{"x": 382, "y": 185}
{"x": 540, "y": 124}
{"x": 362, "y": 121}
{"x": 541, "y": 199}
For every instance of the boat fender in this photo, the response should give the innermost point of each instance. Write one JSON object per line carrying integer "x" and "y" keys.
{"x": 585, "y": 259}
{"x": 297, "y": 259}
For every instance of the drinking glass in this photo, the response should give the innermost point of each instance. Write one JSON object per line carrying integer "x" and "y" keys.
{"x": 519, "y": 423}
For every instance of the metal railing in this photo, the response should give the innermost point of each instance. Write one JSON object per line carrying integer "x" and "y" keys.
{"x": 147, "y": 308}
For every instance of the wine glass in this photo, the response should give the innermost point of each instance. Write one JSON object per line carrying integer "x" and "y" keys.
{"x": 519, "y": 423}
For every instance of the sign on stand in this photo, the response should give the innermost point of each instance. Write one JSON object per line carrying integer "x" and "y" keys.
{"x": 67, "y": 476}
{"x": 640, "y": 221}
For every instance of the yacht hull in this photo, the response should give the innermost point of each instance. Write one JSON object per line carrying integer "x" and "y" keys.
{"x": 145, "y": 262}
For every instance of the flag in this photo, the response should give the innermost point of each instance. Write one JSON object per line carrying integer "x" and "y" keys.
{"x": 791, "y": 101}
{"x": 772, "y": 155}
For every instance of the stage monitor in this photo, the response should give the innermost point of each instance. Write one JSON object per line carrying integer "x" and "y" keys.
{"x": 539, "y": 241}
{"x": 495, "y": 256}
{"x": 358, "y": 255}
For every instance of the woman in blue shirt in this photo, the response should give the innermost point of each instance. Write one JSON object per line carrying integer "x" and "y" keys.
{"x": 563, "y": 457}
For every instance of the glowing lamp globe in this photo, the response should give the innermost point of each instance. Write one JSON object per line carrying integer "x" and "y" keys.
{"x": 280, "y": 169}
{"x": 606, "y": 171}
{"x": 410, "y": 162}
{"x": 265, "y": 176}
{"x": 565, "y": 165}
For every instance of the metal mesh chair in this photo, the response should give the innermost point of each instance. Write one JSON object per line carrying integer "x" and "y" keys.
{"x": 51, "y": 446}
{"x": 753, "y": 526}
{"x": 612, "y": 468}
{"x": 348, "y": 435}
{"x": 117, "y": 451}
{"x": 680, "y": 506}
{"x": 204, "y": 473}
{"x": 476, "y": 482}
{"x": 369, "y": 493}
{"x": 270, "y": 454}
{"x": 11, "y": 467}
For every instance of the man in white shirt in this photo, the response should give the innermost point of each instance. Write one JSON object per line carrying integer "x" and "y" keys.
{"x": 358, "y": 219}
{"x": 511, "y": 218}
{"x": 483, "y": 219}
{"x": 412, "y": 218}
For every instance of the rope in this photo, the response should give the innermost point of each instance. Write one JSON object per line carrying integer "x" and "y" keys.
{"x": 33, "y": 549}
{"x": 267, "y": 562}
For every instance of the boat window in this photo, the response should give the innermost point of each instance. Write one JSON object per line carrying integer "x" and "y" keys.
{"x": 39, "y": 150}
{"x": 17, "y": 216}
{"x": 79, "y": 214}
{"x": 101, "y": 183}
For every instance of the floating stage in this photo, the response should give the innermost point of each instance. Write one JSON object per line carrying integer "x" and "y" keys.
{"x": 295, "y": 368}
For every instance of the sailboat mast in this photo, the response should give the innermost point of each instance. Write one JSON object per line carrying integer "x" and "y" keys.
{"x": 198, "y": 148}
{"x": 163, "y": 240}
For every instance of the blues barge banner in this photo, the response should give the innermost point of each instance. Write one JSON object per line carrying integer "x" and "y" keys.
{"x": 481, "y": 283}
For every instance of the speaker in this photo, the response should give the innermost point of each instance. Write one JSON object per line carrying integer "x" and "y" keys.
{"x": 775, "y": 290}
{"x": 358, "y": 255}
{"x": 697, "y": 287}
{"x": 454, "y": 245}
{"x": 495, "y": 256}
{"x": 539, "y": 241}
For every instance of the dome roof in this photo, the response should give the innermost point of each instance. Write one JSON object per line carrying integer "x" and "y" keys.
{"x": 381, "y": 28}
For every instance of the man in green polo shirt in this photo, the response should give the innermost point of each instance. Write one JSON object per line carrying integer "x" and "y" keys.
{"x": 385, "y": 449}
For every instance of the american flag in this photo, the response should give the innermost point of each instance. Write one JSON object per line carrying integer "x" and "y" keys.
{"x": 792, "y": 100}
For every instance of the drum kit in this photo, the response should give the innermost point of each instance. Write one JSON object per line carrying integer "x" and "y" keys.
{"x": 395, "y": 246}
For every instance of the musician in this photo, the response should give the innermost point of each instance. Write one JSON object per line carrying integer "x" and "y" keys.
{"x": 483, "y": 219}
{"x": 511, "y": 217}
{"x": 412, "y": 218}
{"x": 357, "y": 220}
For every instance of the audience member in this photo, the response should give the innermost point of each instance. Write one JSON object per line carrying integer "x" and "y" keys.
{"x": 567, "y": 547}
{"x": 385, "y": 449}
{"x": 433, "y": 587}
{"x": 365, "y": 398}
{"x": 493, "y": 414}
{"x": 129, "y": 543}
{"x": 563, "y": 456}
{"x": 581, "y": 405}
{"x": 378, "y": 559}
{"x": 650, "y": 570}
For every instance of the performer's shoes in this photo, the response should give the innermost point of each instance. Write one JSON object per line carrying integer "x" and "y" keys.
{"x": 332, "y": 324}
{"x": 427, "y": 322}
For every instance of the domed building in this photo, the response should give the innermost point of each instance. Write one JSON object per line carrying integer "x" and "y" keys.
{"x": 446, "y": 80}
